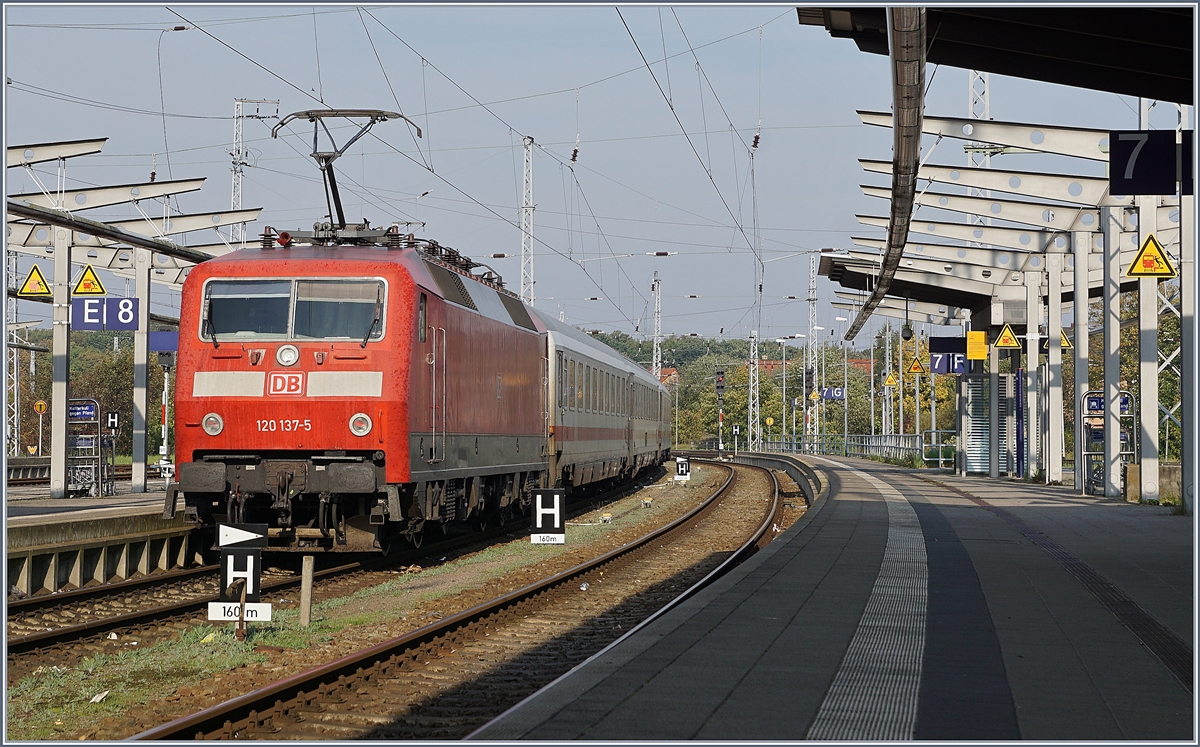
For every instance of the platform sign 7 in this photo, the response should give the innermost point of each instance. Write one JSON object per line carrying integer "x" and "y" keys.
{"x": 1147, "y": 162}
{"x": 948, "y": 363}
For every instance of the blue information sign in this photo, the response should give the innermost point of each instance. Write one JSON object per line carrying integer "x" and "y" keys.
{"x": 82, "y": 411}
{"x": 104, "y": 313}
{"x": 1094, "y": 404}
{"x": 163, "y": 341}
{"x": 833, "y": 392}
{"x": 948, "y": 363}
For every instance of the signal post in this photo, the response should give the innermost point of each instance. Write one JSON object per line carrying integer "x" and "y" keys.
{"x": 720, "y": 385}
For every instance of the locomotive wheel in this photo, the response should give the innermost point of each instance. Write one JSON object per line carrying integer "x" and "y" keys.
{"x": 416, "y": 538}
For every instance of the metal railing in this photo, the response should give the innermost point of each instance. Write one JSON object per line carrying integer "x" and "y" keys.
{"x": 893, "y": 446}
{"x": 938, "y": 447}
{"x": 932, "y": 447}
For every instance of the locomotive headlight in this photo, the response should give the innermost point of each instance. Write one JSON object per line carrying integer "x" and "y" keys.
{"x": 287, "y": 355}
{"x": 360, "y": 424}
{"x": 213, "y": 424}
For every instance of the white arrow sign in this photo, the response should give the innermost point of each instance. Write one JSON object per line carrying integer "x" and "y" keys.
{"x": 231, "y": 535}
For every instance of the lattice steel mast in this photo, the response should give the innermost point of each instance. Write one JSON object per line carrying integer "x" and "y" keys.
{"x": 656, "y": 289}
{"x": 527, "y": 294}
{"x": 237, "y": 232}
{"x": 979, "y": 156}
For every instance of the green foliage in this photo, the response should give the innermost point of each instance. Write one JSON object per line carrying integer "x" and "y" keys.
{"x": 133, "y": 676}
{"x": 98, "y": 371}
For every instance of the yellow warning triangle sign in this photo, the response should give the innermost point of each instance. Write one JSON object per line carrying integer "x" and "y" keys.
{"x": 1151, "y": 261}
{"x": 915, "y": 367}
{"x": 88, "y": 284}
{"x": 1066, "y": 342}
{"x": 1007, "y": 338}
{"x": 35, "y": 285}
{"x": 891, "y": 380}
{"x": 814, "y": 396}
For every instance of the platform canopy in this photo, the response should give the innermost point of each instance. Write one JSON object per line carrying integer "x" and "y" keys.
{"x": 1131, "y": 50}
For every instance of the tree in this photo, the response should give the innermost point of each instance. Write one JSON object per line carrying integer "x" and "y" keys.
{"x": 98, "y": 370}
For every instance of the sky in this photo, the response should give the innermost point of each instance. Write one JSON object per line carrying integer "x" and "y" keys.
{"x": 663, "y": 104}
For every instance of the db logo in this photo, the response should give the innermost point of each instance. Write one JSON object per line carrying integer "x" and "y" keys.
{"x": 286, "y": 382}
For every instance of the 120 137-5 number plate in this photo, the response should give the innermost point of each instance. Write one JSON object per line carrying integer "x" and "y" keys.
{"x": 271, "y": 426}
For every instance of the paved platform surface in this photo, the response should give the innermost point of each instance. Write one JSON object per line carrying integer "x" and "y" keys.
{"x": 26, "y": 503}
{"x": 900, "y": 608}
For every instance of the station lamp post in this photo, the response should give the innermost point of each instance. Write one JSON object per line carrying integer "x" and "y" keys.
{"x": 877, "y": 338}
{"x": 783, "y": 344}
{"x": 819, "y": 412}
{"x": 803, "y": 390}
{"x": 845, "y": 392}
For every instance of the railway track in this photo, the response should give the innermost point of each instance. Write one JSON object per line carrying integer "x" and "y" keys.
{"x": 446, "y": 679}
{"x": 60, "y": 629}
{"x": 120, "y": 472}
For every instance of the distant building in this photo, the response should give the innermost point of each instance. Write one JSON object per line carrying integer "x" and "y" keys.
{"x": 668, "y": 376}
{"x": 772, "y": 368}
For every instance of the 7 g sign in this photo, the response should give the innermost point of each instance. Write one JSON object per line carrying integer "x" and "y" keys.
{"x": 96, "y": 314}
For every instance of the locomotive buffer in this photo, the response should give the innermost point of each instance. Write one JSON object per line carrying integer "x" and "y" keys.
{"x": 241, "y": 574}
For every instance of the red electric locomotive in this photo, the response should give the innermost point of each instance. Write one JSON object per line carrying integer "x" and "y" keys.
{"x": 351, "y": 386}
{"x": 349, "y": 395}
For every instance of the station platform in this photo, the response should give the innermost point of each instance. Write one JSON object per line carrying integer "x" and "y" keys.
{"x": 911, "y": 605}
{"x": 32, "y": 503}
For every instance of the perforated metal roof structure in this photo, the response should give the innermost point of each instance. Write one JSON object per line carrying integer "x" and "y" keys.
{"x": 1132, "y": 50}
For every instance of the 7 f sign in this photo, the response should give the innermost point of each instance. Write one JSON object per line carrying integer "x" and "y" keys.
{"x": 549, "y": 518}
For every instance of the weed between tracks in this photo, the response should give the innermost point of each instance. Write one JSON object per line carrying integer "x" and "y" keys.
{"x": 54, "y": 702}
{"x": 205, "y": 664}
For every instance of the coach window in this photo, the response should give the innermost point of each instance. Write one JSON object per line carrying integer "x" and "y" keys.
{"x": 421, "y": 319}
{"x": 578, "y": 379}
{"x": 571, "y": 385}
{"x": 560, "y": 372}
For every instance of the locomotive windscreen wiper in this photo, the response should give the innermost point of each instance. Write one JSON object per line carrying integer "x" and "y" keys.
{"x": 378, "y": 311}
{"x": 208, "y": 325}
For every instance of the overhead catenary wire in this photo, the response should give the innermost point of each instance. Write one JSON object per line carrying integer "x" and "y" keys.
{"x": 317, "y": 55}
{"x": 675, "y": 114}
{"x": 503, "y": 122}
{"x": 388, "y": 80}
{"x": 400, "y": 152}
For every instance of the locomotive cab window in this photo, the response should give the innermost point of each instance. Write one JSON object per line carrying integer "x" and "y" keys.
{"x": 308, "y": 309}
{"x": 241, "y": 309}
{"x": 333, "y": 309}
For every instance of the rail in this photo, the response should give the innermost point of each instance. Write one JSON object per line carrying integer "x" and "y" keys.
{"x": 806, "y": 478}
{"x": 36, "y": 471}
{"x": 248, "y": 712}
